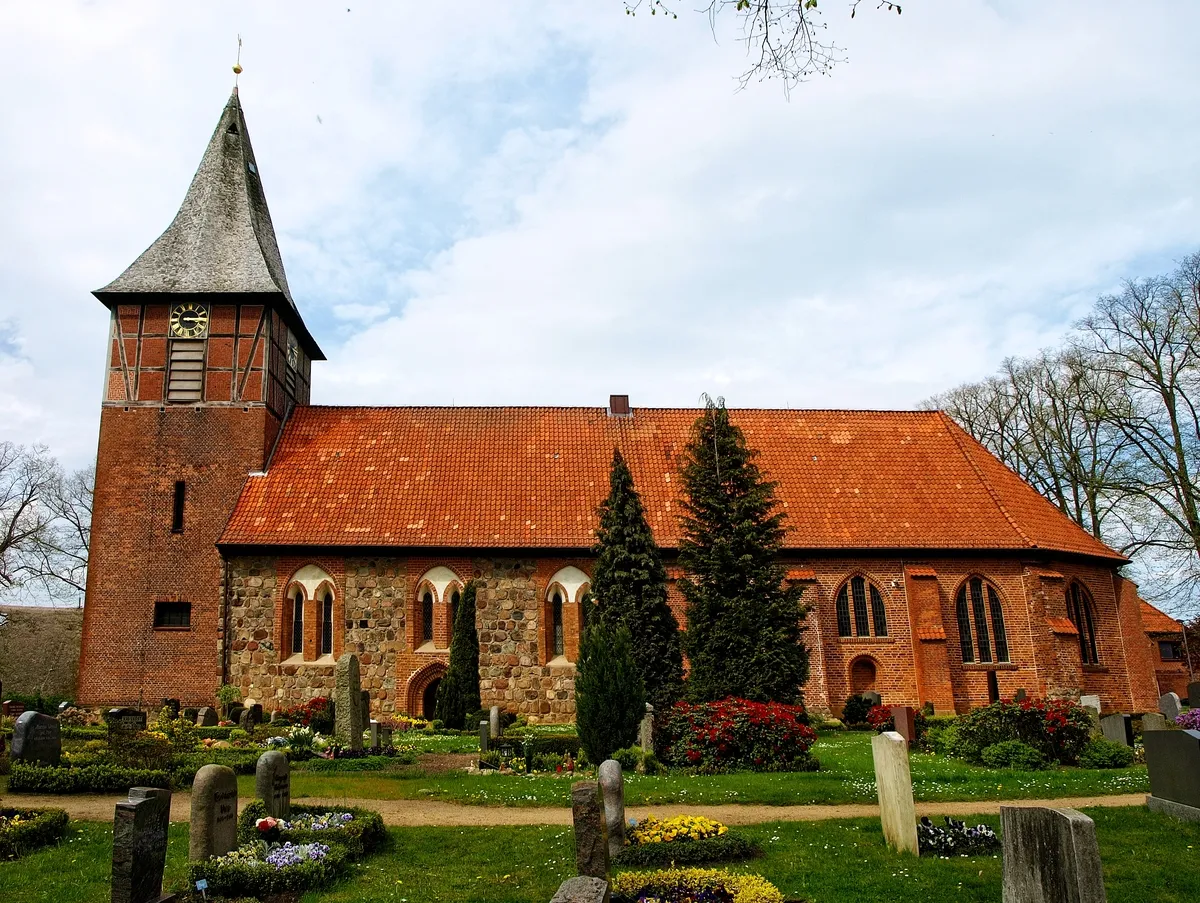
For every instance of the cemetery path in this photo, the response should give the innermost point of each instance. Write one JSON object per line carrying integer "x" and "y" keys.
{"x": 435, "y": 812}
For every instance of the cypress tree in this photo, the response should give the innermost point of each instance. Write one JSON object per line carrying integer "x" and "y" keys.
{"x": 458, "y": 693}
{"x": 743, "y": 633}
{"x": 629, "y": 586}
{"x": 610, "y": 699}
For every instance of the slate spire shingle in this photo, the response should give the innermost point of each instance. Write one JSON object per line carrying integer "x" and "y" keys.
{"x": 221, "y": 241}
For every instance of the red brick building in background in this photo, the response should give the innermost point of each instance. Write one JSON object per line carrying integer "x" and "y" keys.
{"x": 243, "y": 536}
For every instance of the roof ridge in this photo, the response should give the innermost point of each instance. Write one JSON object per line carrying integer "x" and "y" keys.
{"x": 991, "y": 490}
{"x": 600, "y": 407}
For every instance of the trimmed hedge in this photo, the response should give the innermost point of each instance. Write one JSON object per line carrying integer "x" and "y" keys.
{"x": 722, "y": 848}
{"x": 237, "y": 875}
{"x": 361, "y": 837}
{"x": 1014, "y": 754}
{"x": 364, "y": 763}
{"x": 37, "y": 828}
{"x": 88, "y": 779}
{"x": 1105, "y": 754}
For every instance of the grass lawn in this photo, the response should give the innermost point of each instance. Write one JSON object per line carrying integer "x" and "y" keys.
{"x": 1145, "y": 860}
{"x": 846, "y": 776}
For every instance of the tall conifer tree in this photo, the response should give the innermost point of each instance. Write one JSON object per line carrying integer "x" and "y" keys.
{"x": 743, "y": 633}
{"x": 629, "y": 586}
{"x": 610, "y": 699}
{"x": 458, "y": 693}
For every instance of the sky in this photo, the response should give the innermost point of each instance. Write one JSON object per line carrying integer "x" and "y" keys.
{"x": 533, "y": 203}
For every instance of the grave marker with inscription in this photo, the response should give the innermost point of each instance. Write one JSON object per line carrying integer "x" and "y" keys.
{"x": 273, "y": 783}
{"x": 37, "y": 738}
{"x": 13, "y": 709}
{"x": 214, "y": 812}
{"x": 591, "y": 832}
{"x": 125, "y": 721}
{"x": 207, "y": 717}
{"x": 347, "y": 702}
{"x": 893, "y": 780}
{"x": 140, "y": 845}
{"x": 1170, "y": 706}
{"x": 1050, "y": 856}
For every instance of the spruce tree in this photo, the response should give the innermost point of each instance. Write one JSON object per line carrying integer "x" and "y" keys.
{"x": 458, "y": 693}
{"x": 610, "y": 699}
{"x": 743, "y": 633}
{"x": 629, "y": 586}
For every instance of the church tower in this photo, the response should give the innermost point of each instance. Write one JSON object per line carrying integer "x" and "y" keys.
{"x": 208, "y": 354}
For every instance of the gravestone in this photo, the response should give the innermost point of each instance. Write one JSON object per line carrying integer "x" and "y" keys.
{"x": 37, "y": 738}
{"x": 214, "y": 812}
{"x": 1173, "y": 763}
{"x": 591, "y": 834}
{"x": 364, "y": 708}
{"x": 1153, "y": 721}
{"x": 1090, "y": 702}
{"x": 582, "y": 890}
{"x": 235, "y": 714}
{"x": 893, "y": 779}
{"x": 246, "y": 720}
{"x": 189, "y": 714}
{"x": 1194, "y": 694}
{"x": 905, "y": 721}
{"x": 1118, "y": 729}
{"x": 612, "y": 786}
{"x": 347, "y": 702}
{"x": 1050, "y": 856}
{"x": 273, "y": 783}
{"x": 140, "y": 845}
{"x": 646, "y": 730}
{"x": 172, "y": 705}
{"x": 494, "y": 723}
{"x": 485, "y": 733}
{"x": 872, "y": 698}
{"x": 125, "y": 721}
{"x": 1170, "y": 706}
{"x": 1021, "y": 696}
{"x": 373, "y": 734}
{"x": 385, "y": 736}
{"x": 63, "y": 706}
{"x": 13, "y": 709}
{"x": 256, "y": 713}
{"x": 207, "y": 717}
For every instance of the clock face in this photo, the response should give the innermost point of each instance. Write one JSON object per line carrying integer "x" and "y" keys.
{"x": 189, "y": 320}
{"x": 293, "y": 353}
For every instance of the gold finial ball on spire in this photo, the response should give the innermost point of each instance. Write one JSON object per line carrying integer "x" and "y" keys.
{"x": 237, "y": 69}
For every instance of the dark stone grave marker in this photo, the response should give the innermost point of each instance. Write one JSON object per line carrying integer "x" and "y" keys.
{"x": 140, "y": 846}
{"x": 1173, "y": 762}
{"x": 37, "y": 738}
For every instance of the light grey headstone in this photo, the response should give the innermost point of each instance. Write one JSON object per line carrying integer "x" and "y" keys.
{"x": 273, "y": 783}
{"x": 612, "y": 786}
{"x": 591, "y": 833}
{"x": 485, "y": 733}
{"x": 1153, "y": 721}
{"x": 373, "y": 733}
{"x": 1090, "y": 702}
{"x": 494, "y": 722}
{"x": 207, "y": 717}
{"x": 1114, "y": 728}
{"x": 1050, "y": 856}
{"x": 37, "y": 738}
{"x": 139, "y": 853}
{"x": 893, "y": 780}
{"x": 214, "y": 812}
{"x": 1170, "y": 706}
{"x": 582, "y": 890}
{"x": 347, "y": 702}
{"x": 646, "y": 730}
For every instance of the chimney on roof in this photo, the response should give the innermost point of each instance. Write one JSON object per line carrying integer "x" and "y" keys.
{"x": 618, "y": 406}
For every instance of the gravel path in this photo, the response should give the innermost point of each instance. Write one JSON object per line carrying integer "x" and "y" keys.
{"x": 434, "y": 812}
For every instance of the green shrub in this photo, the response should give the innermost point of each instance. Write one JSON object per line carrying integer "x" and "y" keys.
{"x": 25, "y": 830}
{"x": 317, "y": 713}
{"x": 610, "y": 699}
{"x": 140, "y": 749}
{"x": 722, "y": 848}
{"x": 855, "y": 711}
{"x": 632, "y": 757}
{"x": 88, "y": 779}
{"x": 1014, "y": 754}
{"x": 458, "y": 693}
{"x": 242, "y": 761}
{"x": 367, "y": 763}
{"x": 941, "y": 739}
{"x": 1105, "y": 754}
{"x": 361, "y": 836}
{"x": 47, "y": 705}
{"x": 1058, "y": 728}
{"x": 214, "y": 732}
{"x": 737, "y": 734}
{"x": 89, "y": 732}
{"x": 243, "y": 874}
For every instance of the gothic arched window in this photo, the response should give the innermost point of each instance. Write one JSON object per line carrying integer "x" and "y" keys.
{"x": 454, "y": 600}
{"x": 327, "y": 623}
{"x": 1081, "y": 611}
{"x": 556, "y": 605}
{"x": 298, "y": 622}
{"x": 858, "y": 588}
{"x": 427, "y": 617}
{"x": 977, "y": 603}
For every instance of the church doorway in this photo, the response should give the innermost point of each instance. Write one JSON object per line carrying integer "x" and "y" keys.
{"x": 429, "y": 699}
{"x": 862, "y": 675}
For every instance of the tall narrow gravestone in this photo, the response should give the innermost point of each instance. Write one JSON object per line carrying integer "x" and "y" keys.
{"x": 1170, "y": 706}
{"x": 612, "y": 786}
{"x": 494, "y": 722}
{"x": 893, "y": 779}
{"x": 214, "y": 812}
{"x": 485, "y": 734}
{"x": 646, "y": 730}
{"x": 273, "y": 783}
{"x": 37, "y": 738}
{"x": 347, "y": 702}
{"x": 1194, "y": 694}
{"x": 1173, "y": 763}
{"x": 905, "y": 720}
{"x": 140, "y": 845}
{"x": 1050, "y": 856}
{"x": 1118, "y": 729}
{"x": 591, "y": 835}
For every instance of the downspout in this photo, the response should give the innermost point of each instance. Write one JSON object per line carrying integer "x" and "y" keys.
{"x": 223, "y": 640}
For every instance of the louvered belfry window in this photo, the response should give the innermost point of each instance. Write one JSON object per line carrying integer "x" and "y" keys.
{"x": 186, "y": 376}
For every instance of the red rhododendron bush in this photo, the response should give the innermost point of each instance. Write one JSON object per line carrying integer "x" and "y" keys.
{"x": 737, "y": 734}
{"x": 1058, "y": 728}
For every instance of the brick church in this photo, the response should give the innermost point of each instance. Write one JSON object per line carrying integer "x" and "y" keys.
{"x": 242, "y": 535}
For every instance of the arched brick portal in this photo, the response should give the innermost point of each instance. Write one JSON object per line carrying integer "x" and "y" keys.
{"x": 862, "y": 674}
{"x": 414, "y": 693}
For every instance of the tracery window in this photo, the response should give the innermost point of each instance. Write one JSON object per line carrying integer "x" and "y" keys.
{"x": 858, "y": 589}
{"x": 1081, "y": 611}
{"x": 976, "y": 605}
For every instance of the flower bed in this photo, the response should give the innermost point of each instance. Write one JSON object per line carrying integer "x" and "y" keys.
{"x": 695, "y": 885}
{"x": 738, "y": 734}
{"x": 682, "y": 840}
{"x": 87, "y": 779}
{"x": 1189, "y": 720}
{"x": 955, "y": 839}
{"x": 358, "y": 831}
{"x": 25, "y": 830}
{"x": 258, "y": 869}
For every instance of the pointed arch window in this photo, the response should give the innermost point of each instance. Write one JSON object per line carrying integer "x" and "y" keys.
{"x": 327, "y": 623}
{"x": 977, "y": 604}
{"x": 1081, "y": 611}
{"x": 427, "y": 617}
{"x": 858, "y": 589}
{"x": 556, "y": 606}
{"x": 298, "y": 623}
{"x": 455, "y": 598}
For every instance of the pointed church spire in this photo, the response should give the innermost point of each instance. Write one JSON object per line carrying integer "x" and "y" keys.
{"x": 221, "y": 241}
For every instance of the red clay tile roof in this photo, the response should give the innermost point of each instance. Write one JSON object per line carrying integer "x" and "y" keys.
{"x": 532, "y": 477}
{"x": 1063, "y": 625}
{"x": 920, "y": 570}
{"x": 1155, "y": 621}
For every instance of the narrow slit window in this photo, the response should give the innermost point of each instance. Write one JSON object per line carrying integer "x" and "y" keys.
{"x": 1079, "y": 610}
{"x": 998, "y": 631}
{"x": 859, "y": 590}
{"x": 557, "y": 605}
{"x": 964, "y": 627}
{"x": 981, "y": 628}
{"x": 843, "y": 613}
{"x": 297, "y": 624}
{"x": 878, "y": 613}
{"x": 177, "y": 506}
{"x": 427, "y": 617}
{"x": 454, "y": 599}
{"x": 327, "y": 625}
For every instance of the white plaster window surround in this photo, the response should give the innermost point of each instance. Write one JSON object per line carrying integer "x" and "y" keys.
{"x": 570, "y": 584}
{"x": 438, "y": 580}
